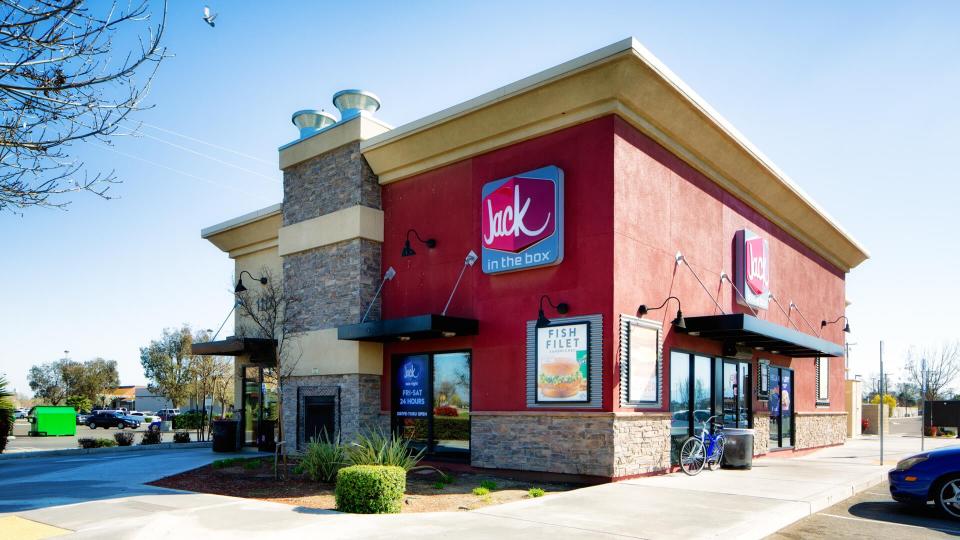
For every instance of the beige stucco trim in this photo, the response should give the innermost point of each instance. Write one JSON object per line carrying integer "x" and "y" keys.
{"x": 345, "y": 224}
{"x": 623, "y": 79}
{"x": 319, "y": 352}
{"x": 246, "y": 234}
{"x": 254, "y": 248}
{"x": 359, "y": 128}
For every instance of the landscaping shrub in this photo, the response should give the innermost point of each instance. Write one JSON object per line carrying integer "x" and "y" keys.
{"x": 452, "y": 428}
{"x": 888, "y": 400}
{"x": 323, "y": 458}
{"x": 370, "y": 489}
{"x": 445, "y": 410}
{"x": 192, "y": 420}
{"x": 151, "y": 437}
{"x": 6, "y": 425}
{"x": 533, "y": 493}
{"x": 481, "y": 491}
{"x": 181, "y": 437}
{"x": 252, "y": 464}
{"x": 123, "y": 439}
{"x": 377, "y": 448}
{"x": 87, "y": 442}
{"x": 228, "y": 462}
{"x": 489, "y": 484}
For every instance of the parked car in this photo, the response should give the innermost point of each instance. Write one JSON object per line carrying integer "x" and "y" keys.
{"x": 20, "y": 413}
{"x": 168, "y": 414}
{"x": 933, "y": 475}
{"x": 145, "y": 417}
{"x": 82, "y": 418}
{"x": 108, "y": 419}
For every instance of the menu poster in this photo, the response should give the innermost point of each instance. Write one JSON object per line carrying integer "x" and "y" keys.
{"x": 644, "y": 357}
{"x": 563, "y": 363}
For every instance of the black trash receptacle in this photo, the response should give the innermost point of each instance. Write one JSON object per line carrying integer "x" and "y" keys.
{"x": 266, "y": 439}
{"x": 737, "y": 448}
{"x": 225, "y": 435}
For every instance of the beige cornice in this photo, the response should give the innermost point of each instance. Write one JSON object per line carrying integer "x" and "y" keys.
{"x": 246, "y": 234}
{"x": 359, "y": 128}
{"x": 345, "y": 224}
{"x": 626, "y": 80}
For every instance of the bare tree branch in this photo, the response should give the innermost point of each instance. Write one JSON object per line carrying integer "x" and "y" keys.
{"x": 942, "y": 368}
{"x": 62, "y": 81}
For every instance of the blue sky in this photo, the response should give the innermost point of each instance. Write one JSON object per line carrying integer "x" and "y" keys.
{"x": 856, "y": 101}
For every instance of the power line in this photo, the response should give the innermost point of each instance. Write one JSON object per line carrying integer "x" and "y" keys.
{"x": 201, "y": 154}
{"x": 210, "y": 144}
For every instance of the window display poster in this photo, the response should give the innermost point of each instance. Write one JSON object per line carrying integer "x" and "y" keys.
{"x": 563, "y": 367}
{"x": 411, "y": 386}
{"x": 643, "y": 359}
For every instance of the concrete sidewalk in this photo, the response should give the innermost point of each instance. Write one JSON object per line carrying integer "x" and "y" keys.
{"x": 728, "y": 504}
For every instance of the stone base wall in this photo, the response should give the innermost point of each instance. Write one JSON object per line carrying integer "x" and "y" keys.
{"x": 358, "y": 406}
{"x": 761, "y": 434}
{"x": 820, "y": 429}
{"x": 605, "y": 444}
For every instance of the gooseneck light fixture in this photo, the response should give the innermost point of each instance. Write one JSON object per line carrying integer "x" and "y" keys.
{"x": 846, "y": 323}
{"x": 387, "y": 276}
{"x": 467, "y": 262}
{"x": 408, "y": 251}
{"x": 240, "y": 288}
{"x": 677, "y": 321}
{"x": 794, "y": 307}
{"x": 542, "y": 320}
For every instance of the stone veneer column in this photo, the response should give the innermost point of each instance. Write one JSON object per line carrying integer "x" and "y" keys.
{"x": 333, "y": 273}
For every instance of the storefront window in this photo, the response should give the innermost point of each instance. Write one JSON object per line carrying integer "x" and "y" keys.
{"x": 679, "y": 399}
{"x": 702, "y": 408}
{"x": 431, "y": 402}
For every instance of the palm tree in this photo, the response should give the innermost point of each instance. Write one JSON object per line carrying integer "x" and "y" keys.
{"x": 6, "y": 413}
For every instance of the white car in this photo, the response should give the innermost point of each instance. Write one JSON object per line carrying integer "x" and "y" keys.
{"x": 147, "y": 416}
{"x": 20, "y": 413}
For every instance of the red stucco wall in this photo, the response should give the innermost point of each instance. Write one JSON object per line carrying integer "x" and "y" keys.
{"x": 663, "y": 206}
{"x": 445, "y": 204}
{"x": 630, "y": 206}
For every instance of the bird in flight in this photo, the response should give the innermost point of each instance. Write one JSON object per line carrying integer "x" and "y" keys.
{"x": 208, "y": 16}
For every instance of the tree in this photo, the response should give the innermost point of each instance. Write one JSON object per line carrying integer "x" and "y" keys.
{"x": 65, "y": 77}
{"x": 269, "y": 311}
{"x": 166, "y": 364}
{"x": 6, "y": 413}
{"x": 79, "y": 403}
{"x": 88, "y": 379}
{"x": 222, "y": 381}
{"x": 942, "y": 368}
{"x": 203, "y": 369}
{"x": 46, "y": 381}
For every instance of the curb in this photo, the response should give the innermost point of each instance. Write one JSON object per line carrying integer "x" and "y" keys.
{"x": 111, "y": 450}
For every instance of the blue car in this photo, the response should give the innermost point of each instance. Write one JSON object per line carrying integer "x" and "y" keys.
{"x": 933, "y": 475}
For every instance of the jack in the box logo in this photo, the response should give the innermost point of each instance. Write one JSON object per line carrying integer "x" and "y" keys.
{"x": 753, "y": 269}
{"x": 522, "y": 221}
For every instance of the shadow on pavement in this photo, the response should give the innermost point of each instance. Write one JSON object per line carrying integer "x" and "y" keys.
{"x": 916, "y": 515}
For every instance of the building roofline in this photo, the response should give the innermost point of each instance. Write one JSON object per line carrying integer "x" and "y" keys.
{"x": 240, "y": 221}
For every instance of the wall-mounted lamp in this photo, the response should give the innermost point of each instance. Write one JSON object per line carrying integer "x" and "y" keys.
{"x": 846, "y": 323}
{"x": 240, "y": 288}
{"x": 794, "y": 307}
{"x": 467, "y": 262}
{"x": 542, "y": 320}
{"x": 387, "y": 276}
{"x": 408, "y": 251}
{"x": 677, "y": 321}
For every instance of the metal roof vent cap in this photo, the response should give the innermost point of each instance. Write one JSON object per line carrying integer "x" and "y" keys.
{"x": 354, "y": 102}
{"x": 311, "y": 121}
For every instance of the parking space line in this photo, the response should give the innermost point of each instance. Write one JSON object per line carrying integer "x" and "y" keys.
{"x": 851, "y": 518}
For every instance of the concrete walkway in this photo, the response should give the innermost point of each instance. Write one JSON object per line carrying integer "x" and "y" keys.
{"x": 727, "y": 504}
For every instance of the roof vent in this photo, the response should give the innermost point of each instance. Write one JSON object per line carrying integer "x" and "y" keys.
{"x": 355, "y": 103}
{"x": 310, "y": 121}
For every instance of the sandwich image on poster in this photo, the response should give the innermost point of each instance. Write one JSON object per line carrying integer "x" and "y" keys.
{"x": 563, "y": 363}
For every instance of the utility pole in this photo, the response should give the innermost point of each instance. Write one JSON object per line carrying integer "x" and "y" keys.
{"x": 923, "y": 400}
{"x": 882, "y": 405}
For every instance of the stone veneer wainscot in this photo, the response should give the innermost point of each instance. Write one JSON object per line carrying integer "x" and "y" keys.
{"x": 816, "y": 429}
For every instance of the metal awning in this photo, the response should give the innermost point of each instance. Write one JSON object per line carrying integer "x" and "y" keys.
{"x": 749, "y": 331}
{"x": 409, "y": 328}
{"x": 260, "y": 350}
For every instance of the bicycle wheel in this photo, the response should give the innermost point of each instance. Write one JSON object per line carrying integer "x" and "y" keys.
{"x": 715, "y": 460}
{"x": 692, "y": 456}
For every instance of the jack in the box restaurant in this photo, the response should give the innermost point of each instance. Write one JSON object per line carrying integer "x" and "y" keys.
{"x": 568, "y": 274}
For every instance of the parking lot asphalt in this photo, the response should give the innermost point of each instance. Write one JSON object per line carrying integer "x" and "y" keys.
{"x": 26, "y": 443}
{"x": 872, "y": 514}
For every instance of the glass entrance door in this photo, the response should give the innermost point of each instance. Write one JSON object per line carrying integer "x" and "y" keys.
{"x": 736, "y": 394}
{"x": 781, "y": 407}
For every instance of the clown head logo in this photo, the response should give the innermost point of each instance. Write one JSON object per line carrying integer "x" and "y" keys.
{"x": 522, "y": 221}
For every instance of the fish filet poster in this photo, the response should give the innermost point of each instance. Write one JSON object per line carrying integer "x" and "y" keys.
{"x": 563, "y": 363}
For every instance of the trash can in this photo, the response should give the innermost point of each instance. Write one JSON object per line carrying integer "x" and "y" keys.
{"x": 737, "y": 448}
{"x": 225, "y": 435}
{"x": 50, "y": 420}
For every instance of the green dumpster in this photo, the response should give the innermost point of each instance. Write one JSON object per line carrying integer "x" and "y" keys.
{"x": 49, "y": 420}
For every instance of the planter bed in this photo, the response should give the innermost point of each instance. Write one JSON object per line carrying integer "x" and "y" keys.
{"x": 422, "y": 494}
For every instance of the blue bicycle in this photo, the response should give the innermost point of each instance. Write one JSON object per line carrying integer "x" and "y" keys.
{"x": 703, "y": 450}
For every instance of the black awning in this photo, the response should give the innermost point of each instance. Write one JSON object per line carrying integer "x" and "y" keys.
{"x": 749, "y": 331}
{"x": 261, "y": 350}
{"x": 409, "y": 328}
